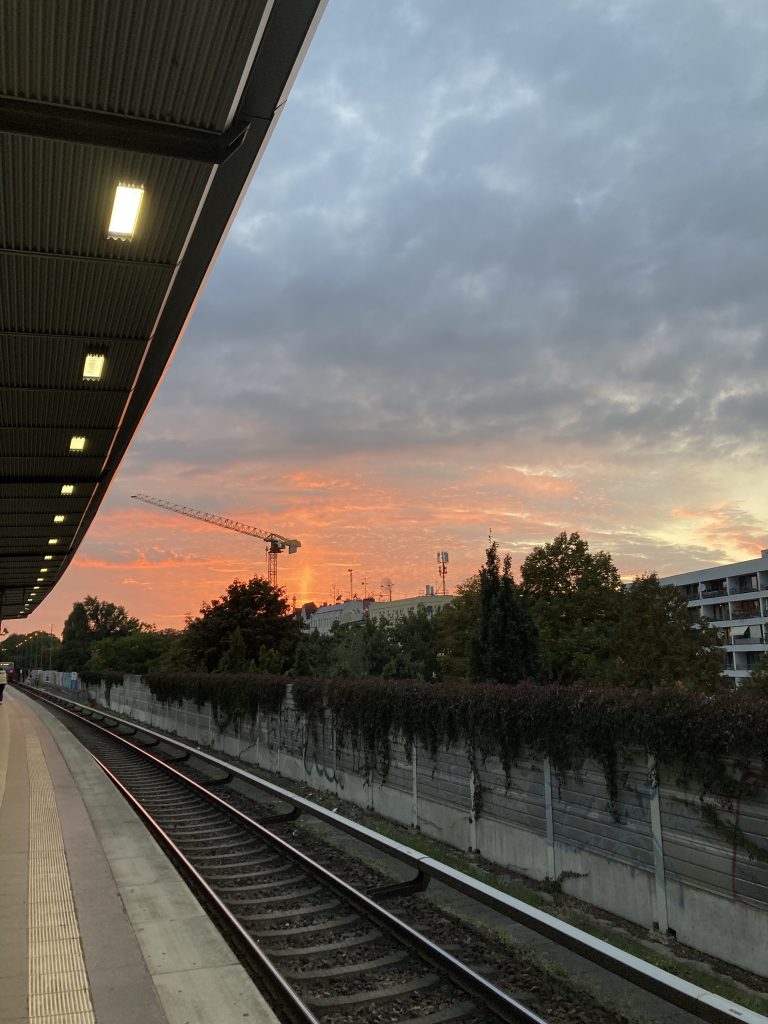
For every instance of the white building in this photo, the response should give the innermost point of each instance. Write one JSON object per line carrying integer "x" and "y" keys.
{"x": 327, "y": 615}
{"x": 391, "y": 610}
{"x": 734, "y": 600}
{"x": 348, "y": 612}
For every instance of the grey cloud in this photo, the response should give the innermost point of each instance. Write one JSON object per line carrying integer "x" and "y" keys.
{"x": 470, "y": 226}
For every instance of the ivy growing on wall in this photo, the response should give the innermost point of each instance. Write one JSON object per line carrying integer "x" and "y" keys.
{"x": 694, "y": 736}
{"x": 233, "y": 698}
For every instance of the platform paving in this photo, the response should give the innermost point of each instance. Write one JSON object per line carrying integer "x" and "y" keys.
{"x": 97, "y": 926}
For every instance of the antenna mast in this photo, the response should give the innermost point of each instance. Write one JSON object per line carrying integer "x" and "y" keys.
{"x": 442, "y": 566}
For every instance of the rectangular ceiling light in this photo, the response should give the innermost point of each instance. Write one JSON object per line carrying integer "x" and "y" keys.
{"x": 53, "y": 540}
{"x": 58, "y": 519}
{"x": 93, "y": 367}
{"x": 47, "y": 558}
{"x": 67, "y": 488}
{"x": 125, "y": 212}
{"x": 77, "y": 444}
{"x": 44, "y": 570}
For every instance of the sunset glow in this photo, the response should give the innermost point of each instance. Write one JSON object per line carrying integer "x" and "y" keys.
{"x": 482, "y": 283}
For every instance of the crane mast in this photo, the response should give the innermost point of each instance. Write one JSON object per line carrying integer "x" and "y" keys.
{"x": 276, "y": 543}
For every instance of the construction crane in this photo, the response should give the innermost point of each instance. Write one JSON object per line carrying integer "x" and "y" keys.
{"x": 275, "y": 542}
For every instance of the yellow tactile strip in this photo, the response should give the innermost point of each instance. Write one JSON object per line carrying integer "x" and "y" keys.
{"x": 58, "y": 984}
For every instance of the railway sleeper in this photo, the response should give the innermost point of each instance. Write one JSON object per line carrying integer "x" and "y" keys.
{"x": 282, "y": 915}
{"x": 448, "y": 1013}
{"x": 348, "y": 969}
{"x": 281, "y": 883}
{"x": 379, "y": 995}
{"x": 334, "y": 924}
{"x": 229, "y": 885}
{"x": 283, "y": 896}
{"x": 328, "y": 947}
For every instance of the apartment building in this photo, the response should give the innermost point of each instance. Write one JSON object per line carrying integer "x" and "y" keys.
{"x": 392, "y": 610}
{"x": 733, "y": 599}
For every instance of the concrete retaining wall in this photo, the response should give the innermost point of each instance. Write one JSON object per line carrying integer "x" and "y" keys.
{"x": 661, "y": 861}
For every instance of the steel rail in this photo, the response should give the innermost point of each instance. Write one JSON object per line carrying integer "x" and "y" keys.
{"x": 692, "y": 998}
{"x": 505, "y": 1006}
{"x": 281, "y": 992}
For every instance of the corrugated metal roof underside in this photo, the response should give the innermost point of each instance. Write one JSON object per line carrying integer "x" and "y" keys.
{"x": 57, "y": 198}
{"x": 112, "y": 300}
{"x": 176, "y": 61}
{"x": 48, "y": 363}
{"x": 66, "y": 289}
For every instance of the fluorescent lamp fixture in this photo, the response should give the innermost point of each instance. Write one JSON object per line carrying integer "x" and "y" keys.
{"x": 125, "y": 212}
{"x": 47, "y": 558}
{"x": 67, "y": 488}
{"x": 44, "y": 570}
{"x": 39, "y": 579}
{"x": 77, "y": 444}
{"x": 58, "y": 519}
{"x": 93, "y": 367}
{"x": 53, "y": 540}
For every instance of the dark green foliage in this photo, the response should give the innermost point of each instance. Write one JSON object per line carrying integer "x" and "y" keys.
{"x": 575, "y": 600}
{"x": 456, "y": 626}
{"x": 136, "y": 653}
{"x": 414, "y": 639}
{"x": 89, "y": 621}
{"x": 234, "y": 698}
{"x": 37, "y": 649}
{"x": 757, "y": 683}
{"x": 261, "y": 614}
{"x": 313, "y": 656}
{"x": 658, "y": 644}
{"x": 235, "y": 657}
{"x": 693, "y": 733}
{"x": 504, "y": 648}
{"x": 405, "y": 648}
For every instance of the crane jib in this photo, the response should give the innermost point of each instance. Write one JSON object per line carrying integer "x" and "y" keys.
{"x": 275, "y": 542}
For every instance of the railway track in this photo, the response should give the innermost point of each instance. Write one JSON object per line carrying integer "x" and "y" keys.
{"x": 326, "y": 952}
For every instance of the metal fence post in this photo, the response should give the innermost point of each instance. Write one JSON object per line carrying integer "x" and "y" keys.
{"x": 415, "y": 789}
{"x": 550, "y": 820}
{"x": 657, "y": 839}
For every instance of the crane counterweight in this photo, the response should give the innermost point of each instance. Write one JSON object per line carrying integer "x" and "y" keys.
{"x": 276, "y": 543}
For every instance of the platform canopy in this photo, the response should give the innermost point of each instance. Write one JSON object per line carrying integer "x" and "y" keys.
{"x": 173, "y": 101}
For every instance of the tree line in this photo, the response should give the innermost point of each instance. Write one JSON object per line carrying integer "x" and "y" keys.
{"x": 568, "y": 620}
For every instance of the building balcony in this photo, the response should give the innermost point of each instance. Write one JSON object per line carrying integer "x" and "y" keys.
{"x": 743, "y": 590}
{"x": 714, "y": 592}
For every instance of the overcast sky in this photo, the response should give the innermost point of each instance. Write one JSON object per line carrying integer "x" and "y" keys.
{"x": 502, "y": 268}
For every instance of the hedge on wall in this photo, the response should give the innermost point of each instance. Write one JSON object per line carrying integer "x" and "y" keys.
{"x": 233, "y": 698}
{"x": 694, "y": 734}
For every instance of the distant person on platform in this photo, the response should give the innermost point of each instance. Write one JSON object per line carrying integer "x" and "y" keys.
{"x": 3, "y": 681}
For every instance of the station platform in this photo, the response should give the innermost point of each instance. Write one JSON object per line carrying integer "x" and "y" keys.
{"x": 96, "y": 926}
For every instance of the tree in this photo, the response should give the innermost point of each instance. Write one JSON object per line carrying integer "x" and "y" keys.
{"x": 30, "y": 650}
{"x": 414, "y": 642}
{"x": 456, "y": 624}
{"x": 89, "y": 621}
{"x": 575, "y": 599}
{"x": 757, "y": 682}
{"x": 138, "y": 653}
{"x": 313, "y": 656}
{"x": 235, "y": 657}
{"x": 659, "y": 644}
{"x": 504, "y": 648}
{"x": 262, "y": 615}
